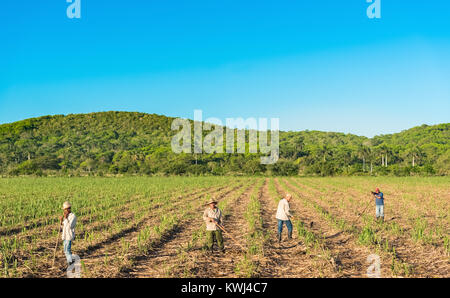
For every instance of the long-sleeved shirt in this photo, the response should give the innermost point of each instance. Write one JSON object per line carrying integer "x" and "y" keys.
{"x": 283, "y": 211}
{"x": 69, "y": 223}
{"x": 216, "y": 215}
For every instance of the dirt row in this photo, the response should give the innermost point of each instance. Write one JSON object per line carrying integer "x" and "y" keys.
{"x": 422, "y": 261}
{"x": 400, "y": 207}
{"x": 34, "y": 225}
{"x": 175, "y": 258}
{"x": 287, "y": 259}
{"x": 101, "y": 259}
{"x": 129, "y": 260}
{"x": 348, "y": 258}
{"x": 397, "y": 211}
{"x": 180, "y": 251}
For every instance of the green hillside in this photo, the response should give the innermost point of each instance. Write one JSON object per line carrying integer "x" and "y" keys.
{"x": 138, "y": 143}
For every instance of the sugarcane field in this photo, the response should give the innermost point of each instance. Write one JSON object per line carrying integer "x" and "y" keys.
{"x": 192, "y": 148}
{"x": 153, "y": 227}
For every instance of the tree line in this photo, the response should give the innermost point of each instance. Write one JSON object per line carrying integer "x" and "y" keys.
{"x": 111, "y": 143}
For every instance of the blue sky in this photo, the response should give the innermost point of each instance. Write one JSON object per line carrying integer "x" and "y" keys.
{"x": 318, "y": 65}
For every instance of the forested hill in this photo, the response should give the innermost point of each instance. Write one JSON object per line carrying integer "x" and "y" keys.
{"x": 137, "y": 143}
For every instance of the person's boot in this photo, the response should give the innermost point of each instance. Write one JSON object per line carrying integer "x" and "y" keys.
{"x": 279, "y": 238}
{"x": 290, "y": 235}
{"x": 222, "y": 250}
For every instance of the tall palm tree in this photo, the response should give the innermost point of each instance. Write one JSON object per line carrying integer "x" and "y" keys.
{"x": 363, "y": 153}
{"x": 325, "y": 152}
{"x": 384, "y": 150}
{"x": 414, "y": 153}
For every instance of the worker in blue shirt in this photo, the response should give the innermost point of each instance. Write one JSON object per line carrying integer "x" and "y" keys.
{"x": 379, "y": 204}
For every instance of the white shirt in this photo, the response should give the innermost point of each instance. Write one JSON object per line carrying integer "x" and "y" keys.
{"x": 214, "y": 214}
{"x": 283, "y": 212}
{"x": 69, "y": 223}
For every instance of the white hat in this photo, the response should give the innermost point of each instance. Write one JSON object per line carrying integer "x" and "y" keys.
{"x": 66, "y": 205}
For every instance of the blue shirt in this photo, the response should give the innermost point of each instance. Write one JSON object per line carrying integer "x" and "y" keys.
{"x": 379, "y": 199}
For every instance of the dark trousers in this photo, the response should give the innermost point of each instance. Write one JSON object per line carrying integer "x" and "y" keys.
{"x": 214, "y": 235}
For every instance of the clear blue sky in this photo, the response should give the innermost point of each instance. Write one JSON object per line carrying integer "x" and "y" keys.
{"x": 318, "y": 65}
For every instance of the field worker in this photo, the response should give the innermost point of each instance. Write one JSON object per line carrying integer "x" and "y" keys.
{"x": 379, "y": 204}
{"x": 68, "y": 222}
{"x": 284, "y": 216}
{"x": 211, "y": 216}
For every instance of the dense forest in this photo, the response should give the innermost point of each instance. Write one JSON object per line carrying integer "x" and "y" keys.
{"x": 111, "y": 143}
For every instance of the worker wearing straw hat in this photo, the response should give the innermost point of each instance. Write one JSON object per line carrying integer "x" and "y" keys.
{"x": 68, "y": 222}
{"x": 211, "y": 216}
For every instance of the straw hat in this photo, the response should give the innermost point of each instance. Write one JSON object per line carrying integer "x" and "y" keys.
{"x": 212, "y": 201}
{"x": 66, "y": 205}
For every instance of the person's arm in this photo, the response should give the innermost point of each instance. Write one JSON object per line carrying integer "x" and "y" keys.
{"x": 206, "y": 217}
{"x": 287, "y": 209}
{"x": 280, "y": 206}
{"x": 220, "y": 220}
{"x": 72, "y": 221}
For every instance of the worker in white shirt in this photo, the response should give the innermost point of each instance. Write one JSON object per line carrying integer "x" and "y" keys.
{"x": 68, "y": 222}
{"x": 213, "y": 216}
{"x": 284, "y": 216}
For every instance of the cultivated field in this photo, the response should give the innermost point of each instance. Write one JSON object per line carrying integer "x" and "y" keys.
{"x": 152, "y": 227}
